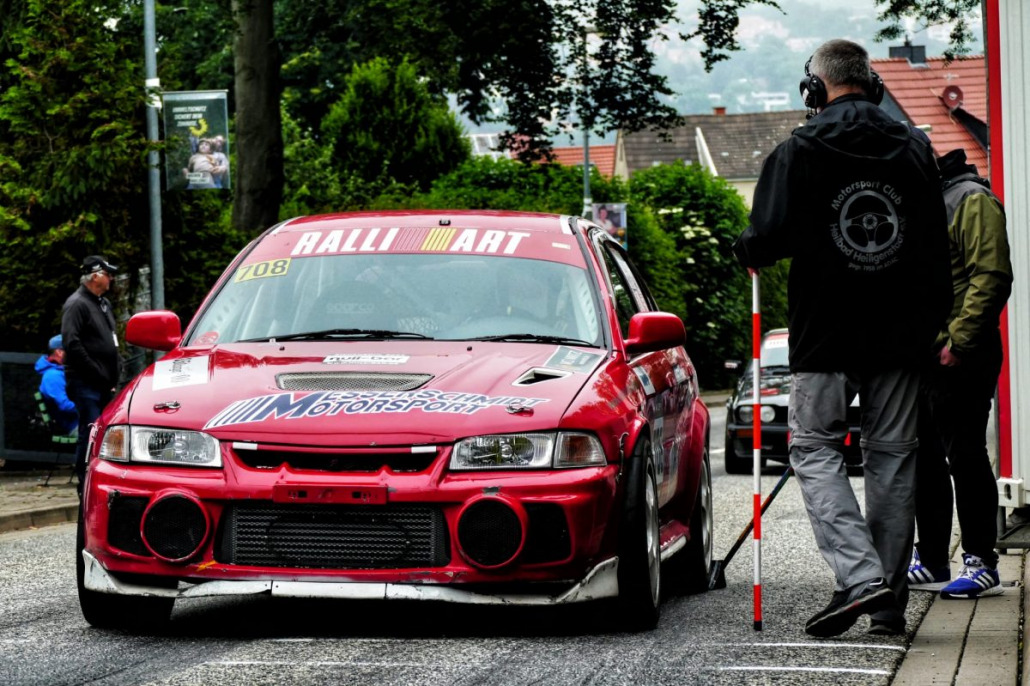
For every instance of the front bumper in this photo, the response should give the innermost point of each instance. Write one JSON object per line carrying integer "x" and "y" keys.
{"x": 775, "y": 443}
{"x": 564, "y": 516}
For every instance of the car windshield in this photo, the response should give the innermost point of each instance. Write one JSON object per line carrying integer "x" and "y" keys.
{"x": 405, "y": 297}
{"x": 774, "y": 351}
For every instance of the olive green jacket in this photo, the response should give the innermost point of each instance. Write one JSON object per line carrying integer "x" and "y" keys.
{"x": 980, "y": 268}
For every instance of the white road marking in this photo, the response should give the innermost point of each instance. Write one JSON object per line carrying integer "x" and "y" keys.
{"x": 833, "y": 646}
{"x": 828, "y": 670}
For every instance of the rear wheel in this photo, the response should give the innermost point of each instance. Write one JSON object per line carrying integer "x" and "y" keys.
{"x": 695, "y": 560}
{"x": 640, "y": 569}
{"x": 124, "y": 612}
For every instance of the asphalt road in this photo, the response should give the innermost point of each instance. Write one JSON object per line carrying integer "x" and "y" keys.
{"x": 702, "y": 639}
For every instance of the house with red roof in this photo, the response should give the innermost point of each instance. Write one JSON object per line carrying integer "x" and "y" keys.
{"x": 602, "y": 157}
{"x": 946, "y": 99}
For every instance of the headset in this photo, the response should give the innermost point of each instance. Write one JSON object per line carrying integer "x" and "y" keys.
{"x": 813, "y": 90}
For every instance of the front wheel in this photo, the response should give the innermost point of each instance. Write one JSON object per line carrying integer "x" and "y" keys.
{"x": 695, "y": 560}
{"x": 640, "y": 568}
{"x": 122, "y": 612}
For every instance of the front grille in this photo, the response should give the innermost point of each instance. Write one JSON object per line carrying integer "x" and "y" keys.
{"x": 398, "y": 462}
{"x": 351, "y": 381}
{"x": 269, "y": 534}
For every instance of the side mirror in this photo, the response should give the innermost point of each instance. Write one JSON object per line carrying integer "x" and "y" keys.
{"x": 650, "y": 331}
{"x": 156, "y": 330}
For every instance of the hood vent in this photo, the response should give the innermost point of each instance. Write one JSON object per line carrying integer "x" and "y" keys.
{"x": 351, "y": 381}
{"x": 538, "y": 375}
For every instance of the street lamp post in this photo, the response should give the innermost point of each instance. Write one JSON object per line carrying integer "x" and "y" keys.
{"x": 157, "y": 288}
{"x": 587, "y": 200}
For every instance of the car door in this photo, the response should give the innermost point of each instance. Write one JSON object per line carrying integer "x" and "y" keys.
{"x": 664, "y": 375}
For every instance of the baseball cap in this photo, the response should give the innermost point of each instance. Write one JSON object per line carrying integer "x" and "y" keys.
{"x": 95, "y": 263}
{"x": 55, "y": 342}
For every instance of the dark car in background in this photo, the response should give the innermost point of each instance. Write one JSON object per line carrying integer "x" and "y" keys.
{"x": 774, "y": 397}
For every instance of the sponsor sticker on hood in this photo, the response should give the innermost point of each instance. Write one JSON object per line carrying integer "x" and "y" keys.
{"x": 184, "y": 371}
{"x": 572, "y": 359}
{"x": 365, "y": 359}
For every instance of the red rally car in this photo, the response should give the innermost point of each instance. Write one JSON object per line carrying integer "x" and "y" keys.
{"x": 478, "y": 407}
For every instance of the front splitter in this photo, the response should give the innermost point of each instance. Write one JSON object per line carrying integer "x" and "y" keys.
{"x": 601, "y": 582}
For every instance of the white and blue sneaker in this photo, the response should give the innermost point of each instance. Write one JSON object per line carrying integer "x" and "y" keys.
{"x": 923, "y": 578}
{"x": 975, "y": 581}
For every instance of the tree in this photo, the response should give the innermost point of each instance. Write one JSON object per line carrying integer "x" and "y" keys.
{"x": 258, "y": 186}
{"x": 703, "y": 215}
{"x": 388, "y": 128}
{"x": 930, "y": 13}
{"x": 72, "y": 177}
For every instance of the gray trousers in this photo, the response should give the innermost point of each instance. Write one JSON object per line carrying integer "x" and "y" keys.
{"x": 880, "y": 544}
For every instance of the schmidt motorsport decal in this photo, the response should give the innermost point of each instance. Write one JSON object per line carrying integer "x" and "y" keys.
{"x": 869, "y": 231}
{"x": 331, "y": 404}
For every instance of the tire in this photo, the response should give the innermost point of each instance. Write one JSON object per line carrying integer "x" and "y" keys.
{"x": 734, "y": 463}
{"x": 640, "y": 569}
{"x": 694, "y": 562}
{"x": 144, "y": 614}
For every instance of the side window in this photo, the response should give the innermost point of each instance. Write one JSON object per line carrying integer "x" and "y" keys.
{"x": 628, "y": 298}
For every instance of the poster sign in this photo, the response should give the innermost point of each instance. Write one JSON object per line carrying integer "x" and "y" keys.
{"x": 611, "y": 217}
{"x": 197, "y": 131}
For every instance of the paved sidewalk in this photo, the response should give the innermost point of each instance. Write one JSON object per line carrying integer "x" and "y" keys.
{"x": 26, "y": 503}
{"x": 958, "y": 642}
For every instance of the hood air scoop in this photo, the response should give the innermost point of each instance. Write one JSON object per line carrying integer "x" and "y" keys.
{"x": 351, "y": 381}
{"x": 539, "y": 374}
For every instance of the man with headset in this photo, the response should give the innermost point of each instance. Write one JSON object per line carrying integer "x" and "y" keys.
{"x": 854, "y": 198}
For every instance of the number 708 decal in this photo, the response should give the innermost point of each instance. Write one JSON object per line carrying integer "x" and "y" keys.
{"x": 259, "y": 270}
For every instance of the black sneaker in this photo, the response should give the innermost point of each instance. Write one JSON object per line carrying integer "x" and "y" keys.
{"x": 847, "y": 606}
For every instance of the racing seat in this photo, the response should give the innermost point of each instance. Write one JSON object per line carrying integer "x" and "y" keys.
{"x": 58, "y": 439}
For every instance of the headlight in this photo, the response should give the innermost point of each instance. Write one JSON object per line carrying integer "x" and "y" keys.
{"x": 161, "y": 446}
{"x": 527, "y": 451}
{"x": 745, "y": 413}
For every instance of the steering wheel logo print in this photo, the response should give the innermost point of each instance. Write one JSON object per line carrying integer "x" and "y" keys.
{"x": 868, "y": 222}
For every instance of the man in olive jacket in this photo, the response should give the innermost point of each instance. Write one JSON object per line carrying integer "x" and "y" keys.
{"x": 958, "y": 386}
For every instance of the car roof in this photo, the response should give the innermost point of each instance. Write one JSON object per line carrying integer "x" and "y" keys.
{"x": 403, "y": 219}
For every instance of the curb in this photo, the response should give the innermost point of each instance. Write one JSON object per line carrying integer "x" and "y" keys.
{"x": 44, "y": 516}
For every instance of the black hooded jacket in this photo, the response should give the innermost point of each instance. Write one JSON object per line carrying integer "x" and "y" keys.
{"x": 90, "y": 346}
{"x": 854, "y": 198}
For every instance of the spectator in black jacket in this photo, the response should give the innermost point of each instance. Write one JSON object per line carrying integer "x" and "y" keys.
{"x": 91, "y": 349}
{"x": 854, "y": 198}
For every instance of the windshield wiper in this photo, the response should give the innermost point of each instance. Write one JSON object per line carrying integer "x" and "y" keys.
{"x": 536, "y": 338}
{"x": 327, "y": 334}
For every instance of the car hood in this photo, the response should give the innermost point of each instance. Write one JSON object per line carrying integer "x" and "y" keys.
{"x": 333, "y": 393}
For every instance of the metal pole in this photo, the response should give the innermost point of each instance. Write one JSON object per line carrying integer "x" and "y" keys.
{"x": 157, "y": 287}
{"x": 587, "y": 200}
